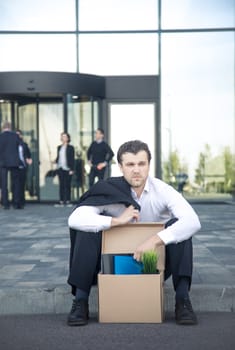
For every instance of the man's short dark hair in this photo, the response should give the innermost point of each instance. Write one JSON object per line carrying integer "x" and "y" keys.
{"x": 133, "y": 147}
{"x": 67, "y": 134}
{"x": 100, "y": 130}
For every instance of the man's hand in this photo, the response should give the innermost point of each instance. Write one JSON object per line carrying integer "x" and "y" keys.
{"x": 129, "y": 214}
{"x": 150, "y": 244}
{"x": 100, "y": 166}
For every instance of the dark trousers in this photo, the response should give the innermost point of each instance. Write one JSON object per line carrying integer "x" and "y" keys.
{"x": 64, "y": 185}
{"x": 85, "y": 258}
{"x": 94, "y": 172}
{"x": 22, "y": 180}
{"x": 14, "y": 171}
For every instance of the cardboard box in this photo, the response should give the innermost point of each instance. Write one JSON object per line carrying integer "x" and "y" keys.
{"x": 131, "y": 298}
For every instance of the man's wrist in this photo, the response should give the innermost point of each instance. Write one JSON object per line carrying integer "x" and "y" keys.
{"x": 158, "y": 241}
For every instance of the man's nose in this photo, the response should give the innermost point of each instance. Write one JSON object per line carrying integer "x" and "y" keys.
{"x": 136, "y": 168}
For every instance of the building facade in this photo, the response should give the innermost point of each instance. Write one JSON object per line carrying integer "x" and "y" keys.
{"x": 157, "y": 70}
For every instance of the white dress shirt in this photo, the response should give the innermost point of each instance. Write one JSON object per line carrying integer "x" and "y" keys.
{"x": 159, "y": 203}
{"x": 62, "y": 161}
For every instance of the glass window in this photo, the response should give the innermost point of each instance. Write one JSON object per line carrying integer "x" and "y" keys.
{"x": 198, "y": 107}
{"x": 118, "y": 54}
{"x": 126, "y": 123}
{"x": 198, "y": 14}
{"x": 38, "y": 52}
{"x": 5, "y": 111}
{"x": 118, "y": 14}
{"x": 37, "y": 15}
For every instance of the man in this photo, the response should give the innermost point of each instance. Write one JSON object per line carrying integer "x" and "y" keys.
{"x": 135, "y": 196}
{"x": 25, "y": 160}
{"x": 99, "y": 154}
{"x": 9, "y": 162}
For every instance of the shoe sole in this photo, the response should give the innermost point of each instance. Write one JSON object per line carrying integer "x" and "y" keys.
{"x": 77, "y": 323}
{"x": 187, "y": 322}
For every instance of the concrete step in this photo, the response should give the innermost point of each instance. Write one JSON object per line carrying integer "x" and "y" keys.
{"x": 58, "y": 299}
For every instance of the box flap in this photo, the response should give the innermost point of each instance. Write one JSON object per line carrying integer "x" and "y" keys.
{"x": 125, "y": 239}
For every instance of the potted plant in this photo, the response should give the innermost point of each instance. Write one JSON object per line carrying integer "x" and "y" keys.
{"x": 150, "y": 260}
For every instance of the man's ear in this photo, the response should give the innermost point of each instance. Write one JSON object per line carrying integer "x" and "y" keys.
{"x": 120, "y": 167}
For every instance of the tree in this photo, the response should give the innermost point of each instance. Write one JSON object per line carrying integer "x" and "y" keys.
{"x": 173, "y": 166}
{"x": 201, "y": 169}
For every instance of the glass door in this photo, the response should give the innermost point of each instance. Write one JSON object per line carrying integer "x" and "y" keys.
{"x": 42, "y": 120}
{"x": 51, "y": 125}
{"x": 27, "y": 123}
{"x": 83, "y": 120}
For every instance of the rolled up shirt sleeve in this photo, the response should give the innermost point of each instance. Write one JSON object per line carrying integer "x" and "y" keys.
{"x": 181, "y": 230}
{"x": 187, "y": 224}
{"x": 89, "y": 219}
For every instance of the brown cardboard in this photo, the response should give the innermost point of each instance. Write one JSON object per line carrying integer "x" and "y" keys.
{"x": 131, "y": 298}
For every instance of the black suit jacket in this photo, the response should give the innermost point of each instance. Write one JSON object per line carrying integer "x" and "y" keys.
{"x": 110, "y": 191}
{"x": 9, "y": 149}
{"x": 69, "y": 156}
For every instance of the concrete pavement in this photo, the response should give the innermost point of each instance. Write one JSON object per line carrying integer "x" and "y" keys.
{"x": 34, "y": 251}
{"x": 215, "y": 331}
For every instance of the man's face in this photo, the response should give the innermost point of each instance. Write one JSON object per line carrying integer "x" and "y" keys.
{"x": 64, "y": 138}
{"x": 98, "y": 135}
{"x": 135, "y": 168}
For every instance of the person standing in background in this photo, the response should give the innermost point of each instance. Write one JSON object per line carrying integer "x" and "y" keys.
{"x": 99, "y": 154}
{"x": 9, "y": 162}
{"x": 25, "y": 160}
{"x": 65, "y": 166}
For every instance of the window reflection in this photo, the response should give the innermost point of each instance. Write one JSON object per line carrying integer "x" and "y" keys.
{"x": 119, "y": 54}
{"x": 37, "y": 15}
{"x": 126, "y": 123}
{"x": 38, "y": 52}
{"x": 118, "y": 14}
{"x": 198, "y": 14}
{"x": 198, "y": 108}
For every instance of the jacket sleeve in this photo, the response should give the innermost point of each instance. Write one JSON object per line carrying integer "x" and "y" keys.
{"x": 71, "y": 158}
{"x": 109, "y": 153}
{"x": 27, "y": 153}
{"x": 89, "y": 152}
{"x": 57, "y": 156}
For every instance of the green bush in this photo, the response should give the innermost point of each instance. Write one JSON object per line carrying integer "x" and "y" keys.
{"x": 149, "y": 260}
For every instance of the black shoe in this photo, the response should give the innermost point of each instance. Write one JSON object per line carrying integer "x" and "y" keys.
{"x": 184, "y": 314}
{"x": 18, "y": 206}
{"x": 78, "y": 315}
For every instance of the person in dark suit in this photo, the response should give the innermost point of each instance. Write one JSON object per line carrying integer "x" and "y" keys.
{"x": 65, "y": 166}
{"x": 25, "y": 160}
{"x": 9, "y": 162}
{"x": 99, "y": 154}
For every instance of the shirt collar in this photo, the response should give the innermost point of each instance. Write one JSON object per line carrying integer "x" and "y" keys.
{"x": 146, "y": 189}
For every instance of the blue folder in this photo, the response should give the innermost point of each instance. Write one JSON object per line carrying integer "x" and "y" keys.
{"x": 126, "y": 265}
